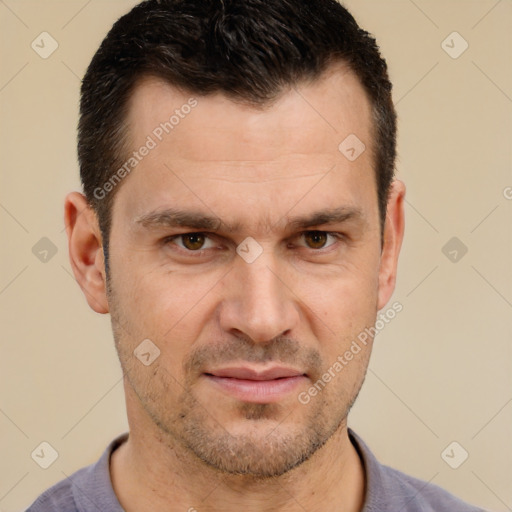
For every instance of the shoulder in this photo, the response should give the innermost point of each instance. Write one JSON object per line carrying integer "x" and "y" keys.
{"x": 389, "y": 490}
{"x": 56, "y": 498}
{"x": 89, "y": 488}
{"x": 417, "y": 495}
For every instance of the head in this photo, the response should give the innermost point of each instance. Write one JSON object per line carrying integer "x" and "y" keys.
{"x": 227, "y": 220}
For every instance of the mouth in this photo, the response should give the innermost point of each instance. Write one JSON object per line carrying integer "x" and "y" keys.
{"x": 257, "y": 385}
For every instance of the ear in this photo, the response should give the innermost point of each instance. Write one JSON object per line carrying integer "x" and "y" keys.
{"x": 86, "y": 250}
{"x": 392, "y": 238}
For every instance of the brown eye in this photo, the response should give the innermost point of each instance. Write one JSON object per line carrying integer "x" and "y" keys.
{"x": 315, "y": 239}
{"x": 193, "y": 241}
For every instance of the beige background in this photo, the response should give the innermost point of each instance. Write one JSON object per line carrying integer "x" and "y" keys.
{"x": 441, "y": 371}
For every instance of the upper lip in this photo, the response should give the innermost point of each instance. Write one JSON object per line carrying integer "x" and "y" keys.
{"x": 246, "y": 373}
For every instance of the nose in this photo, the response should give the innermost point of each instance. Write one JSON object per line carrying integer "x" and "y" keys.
{"x": 259, "y": 302}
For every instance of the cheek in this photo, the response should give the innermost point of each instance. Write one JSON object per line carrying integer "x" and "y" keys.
{"x": 339, "y": 314}
{"x": 170, "y": 309}
{"x": 345, "y": 297}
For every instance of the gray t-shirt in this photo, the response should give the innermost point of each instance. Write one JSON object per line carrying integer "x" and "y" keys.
{"x": 387, "y": 490}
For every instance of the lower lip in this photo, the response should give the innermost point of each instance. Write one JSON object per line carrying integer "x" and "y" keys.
{"x": 258, "y": 391}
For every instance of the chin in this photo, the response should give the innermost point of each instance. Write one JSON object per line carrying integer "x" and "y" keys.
{"x": 256, "y": 444}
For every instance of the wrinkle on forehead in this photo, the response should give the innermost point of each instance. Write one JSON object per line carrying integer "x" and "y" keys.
{"x": 256, "y": 180}
{"x": 256, "y": 172}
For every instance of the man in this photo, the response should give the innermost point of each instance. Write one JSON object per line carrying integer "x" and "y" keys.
{"x": 241, "y": 224}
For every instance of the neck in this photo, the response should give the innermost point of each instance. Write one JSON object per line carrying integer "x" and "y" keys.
{"x": 151, "y": 473}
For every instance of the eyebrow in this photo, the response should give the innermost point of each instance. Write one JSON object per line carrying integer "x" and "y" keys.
{"x": 326, "y": 216}
{"x": 174, "y": 218}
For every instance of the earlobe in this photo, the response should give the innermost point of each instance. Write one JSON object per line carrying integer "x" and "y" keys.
{"x": 86, "y": 250}
{"x": 392, "y": 236}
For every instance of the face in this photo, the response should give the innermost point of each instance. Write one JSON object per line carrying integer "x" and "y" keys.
{"x": 246, "y": 246}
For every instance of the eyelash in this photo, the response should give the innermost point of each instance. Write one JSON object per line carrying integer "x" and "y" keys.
{"x": 187, "y": 252}
{"x": 201, "y": 252}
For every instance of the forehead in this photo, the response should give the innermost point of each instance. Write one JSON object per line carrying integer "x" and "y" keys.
{"x": 331, "y": 108}
{"x": 212, "y": 149}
